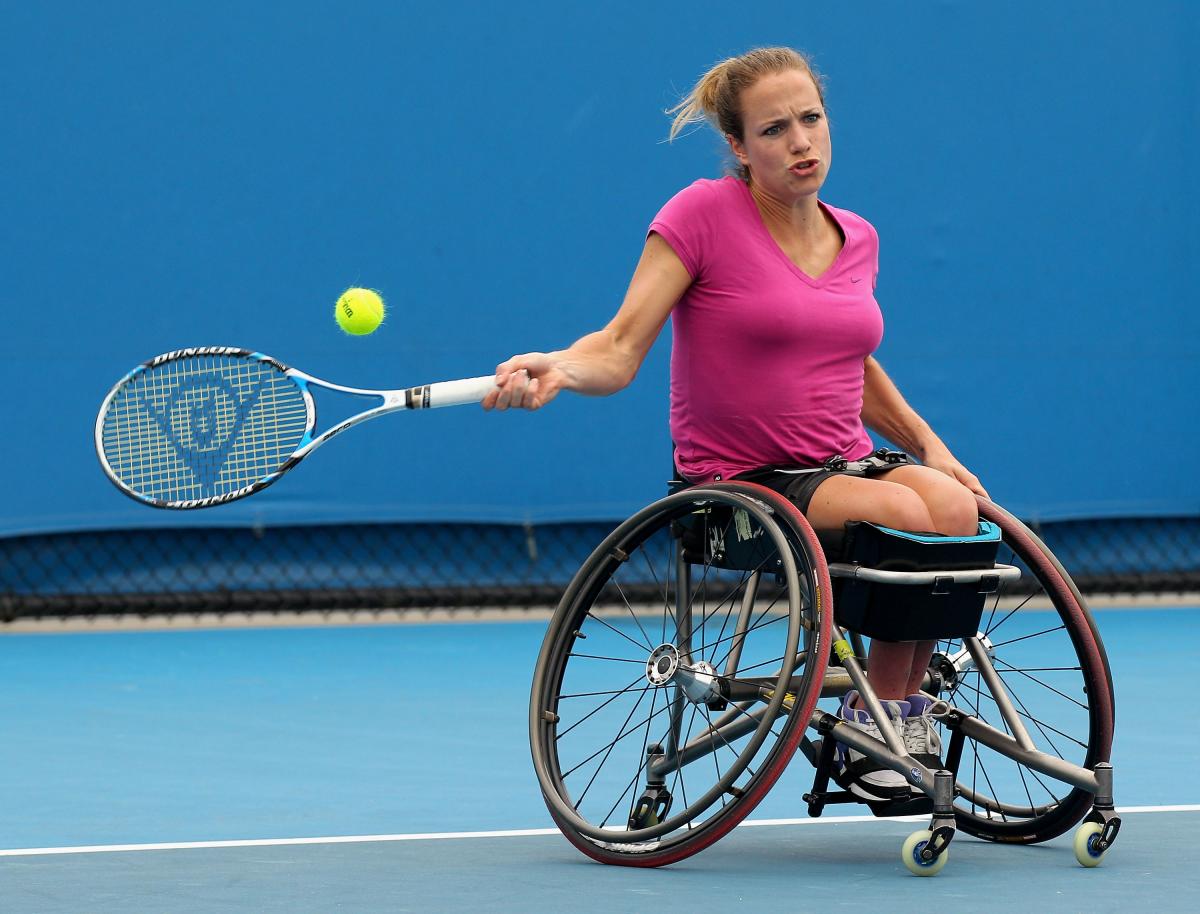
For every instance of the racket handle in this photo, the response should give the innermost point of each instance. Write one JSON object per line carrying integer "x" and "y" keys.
{"x": 450, "y": 393}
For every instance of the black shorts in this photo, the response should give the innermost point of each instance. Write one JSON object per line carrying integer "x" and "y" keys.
{"x": 799, "y": 484}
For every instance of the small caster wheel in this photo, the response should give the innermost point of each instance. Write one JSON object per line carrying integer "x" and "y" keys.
{"x": 911, "y": 854}
{"x": 643, "y": 818}
{"x": 1085, "y": 844}
{"x": 652, "y": 807}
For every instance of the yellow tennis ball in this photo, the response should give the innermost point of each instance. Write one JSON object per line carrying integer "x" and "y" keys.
{"x": 359, "y": 311}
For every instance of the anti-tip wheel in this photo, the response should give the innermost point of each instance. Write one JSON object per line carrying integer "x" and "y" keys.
{"x": 911, "y": 854}
{"x": 1085, "y": 844}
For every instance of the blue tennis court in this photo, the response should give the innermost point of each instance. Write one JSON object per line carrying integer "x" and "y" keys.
{"x": 374, "y": 767}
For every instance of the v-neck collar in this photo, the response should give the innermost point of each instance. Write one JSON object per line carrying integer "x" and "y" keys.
{"x": 815, "y": 281}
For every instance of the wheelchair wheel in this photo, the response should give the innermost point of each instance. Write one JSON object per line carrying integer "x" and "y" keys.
{"x": 1045, "y": 646}
{"x": 679, "y": 673}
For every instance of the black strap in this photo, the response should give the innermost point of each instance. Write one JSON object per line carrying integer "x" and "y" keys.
{"x": 882, "y": 459}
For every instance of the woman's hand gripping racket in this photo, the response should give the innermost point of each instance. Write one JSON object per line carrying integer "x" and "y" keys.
{"x": 200, "y": 427}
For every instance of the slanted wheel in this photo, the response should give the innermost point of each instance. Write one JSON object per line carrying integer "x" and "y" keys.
{"x": 1044, "y": 644}
{"x": 675, "y": 682}
{"x": 910, "y": 853}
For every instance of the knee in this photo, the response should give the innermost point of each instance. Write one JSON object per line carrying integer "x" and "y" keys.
{"x": 904, "y": 510}
{"x": 955, "y": 512}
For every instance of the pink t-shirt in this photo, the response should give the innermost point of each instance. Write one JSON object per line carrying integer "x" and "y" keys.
{"x": 767, "y": 364}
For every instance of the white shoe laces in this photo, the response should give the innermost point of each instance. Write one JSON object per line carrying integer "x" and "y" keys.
{"x": 921, "y": 736}
{"x": 871, "y": 728}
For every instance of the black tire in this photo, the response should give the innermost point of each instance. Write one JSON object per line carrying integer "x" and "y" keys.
{"x": 1050, "y": 657}
{"x": 598, "y": 709}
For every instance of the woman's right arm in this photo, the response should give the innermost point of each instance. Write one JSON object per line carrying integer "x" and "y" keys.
{"x": 606, "y": 361}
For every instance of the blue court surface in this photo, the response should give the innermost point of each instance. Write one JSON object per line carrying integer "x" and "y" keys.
{"x": 386, "y": 768}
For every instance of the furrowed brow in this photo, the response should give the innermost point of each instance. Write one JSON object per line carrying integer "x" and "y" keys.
{"x": 784, "y": 118}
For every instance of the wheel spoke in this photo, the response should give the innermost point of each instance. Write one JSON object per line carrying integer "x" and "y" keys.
{"x": 617, "y": 692}
{"x": 714, "y": 753}
{"x": 752, "y": 717}
{"x": 621, "y": 735}
{"x": 658, "y": 585}
{"x": 607, "y": 753}
{"x": 1012, "y": 612}
{"x": 755, "y": 627}
{"x": 987, "y": 780}
{"x": 721, "y": 633}
{"x": 1023, "y": 711}
{"x": 628, "y": 608}
{"x": 729, "y": 596}
{"x": 641, "y": 767}
{"x": 624, "y": 691}
{"x": 647, "y": 646}
{"x": 1044, "y": 685}
{"x": 1049, "y": 631}
{"x": 610, "y": 659}
{"x": 774, "y": 660}
{"x": 680, "y": 783}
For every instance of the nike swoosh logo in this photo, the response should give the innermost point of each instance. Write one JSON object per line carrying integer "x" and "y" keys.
{"x": 852, "y": 279}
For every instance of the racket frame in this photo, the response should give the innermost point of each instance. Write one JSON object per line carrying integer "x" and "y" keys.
{"x": 428, "y": 396}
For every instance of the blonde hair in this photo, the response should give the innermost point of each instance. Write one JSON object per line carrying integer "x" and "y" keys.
{"x": 716, "y": 97}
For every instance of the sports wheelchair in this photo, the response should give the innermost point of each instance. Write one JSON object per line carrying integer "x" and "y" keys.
{"x": 684, "y": 665}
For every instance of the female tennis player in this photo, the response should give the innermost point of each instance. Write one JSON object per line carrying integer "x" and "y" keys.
{"x": 771, "y": 294}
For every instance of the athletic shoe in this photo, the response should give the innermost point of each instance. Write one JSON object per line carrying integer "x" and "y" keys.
{"x": 921, "y": 738}
{"x": 867, "y": 778}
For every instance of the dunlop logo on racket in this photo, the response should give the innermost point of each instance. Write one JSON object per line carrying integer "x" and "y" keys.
{"x": 195, "y": 350}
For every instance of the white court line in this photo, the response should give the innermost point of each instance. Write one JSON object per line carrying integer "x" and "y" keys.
{"x": 458, "y": 835}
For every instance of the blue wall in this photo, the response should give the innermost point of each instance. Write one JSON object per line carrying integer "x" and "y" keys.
{"x": 216, "y": 173}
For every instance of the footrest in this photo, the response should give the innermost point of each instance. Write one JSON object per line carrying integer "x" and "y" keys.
{"x": 916, "y": 804}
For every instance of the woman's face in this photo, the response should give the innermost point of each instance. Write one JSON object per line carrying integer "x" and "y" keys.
{"x": 785, "y": 136}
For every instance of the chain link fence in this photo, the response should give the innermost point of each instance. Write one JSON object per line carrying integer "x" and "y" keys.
{"x": 400, "y": 566}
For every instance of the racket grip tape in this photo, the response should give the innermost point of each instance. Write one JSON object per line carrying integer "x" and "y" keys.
{"x": 449, "y": 393}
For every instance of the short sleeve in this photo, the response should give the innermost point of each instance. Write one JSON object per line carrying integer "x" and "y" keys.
{"x": 875, "y": 274}
{"x": 687, "y": 223}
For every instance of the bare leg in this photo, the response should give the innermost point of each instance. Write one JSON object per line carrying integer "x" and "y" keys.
{"x": 897, "y": 669}
{"x": 922, "y": 654}
{"x": 889, "y": 668}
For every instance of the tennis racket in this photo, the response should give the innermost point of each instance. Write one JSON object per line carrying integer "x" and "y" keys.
{"x": 201, "y": 427}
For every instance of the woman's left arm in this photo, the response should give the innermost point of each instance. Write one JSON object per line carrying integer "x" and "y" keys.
{"x": 885, "y": 411}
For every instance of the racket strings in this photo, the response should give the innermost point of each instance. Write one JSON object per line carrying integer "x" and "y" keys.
{"x": 203, "y": 426}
